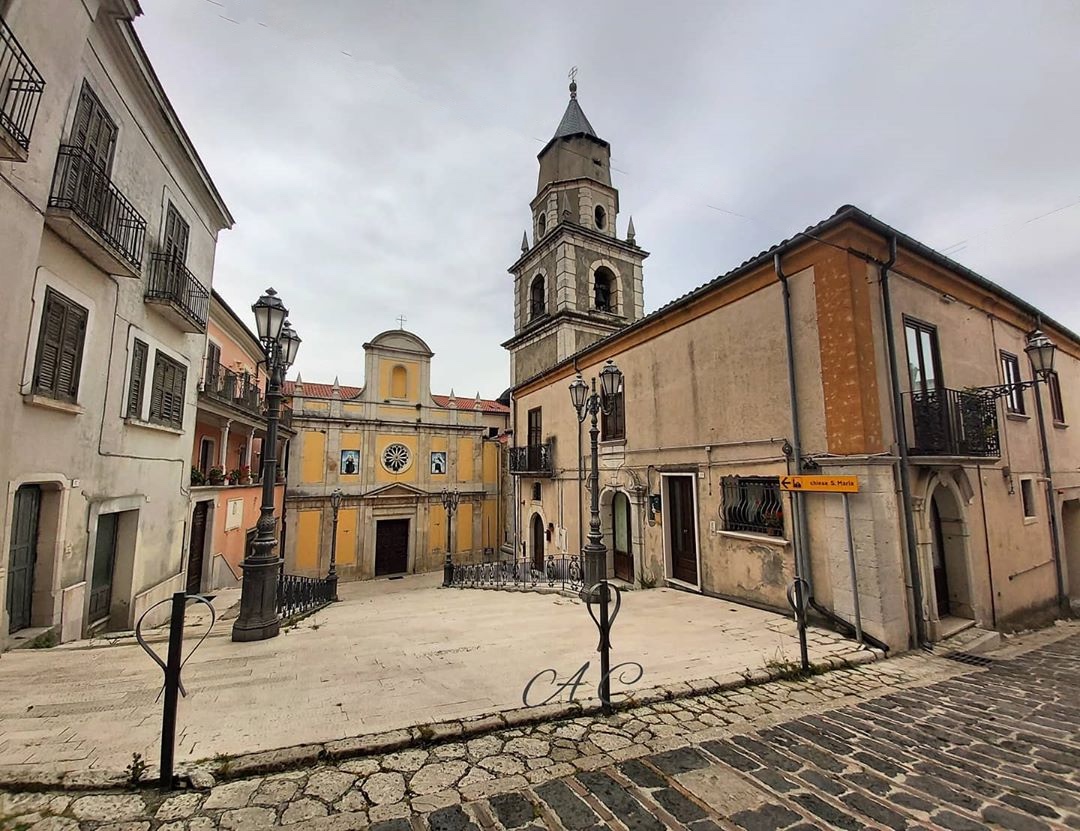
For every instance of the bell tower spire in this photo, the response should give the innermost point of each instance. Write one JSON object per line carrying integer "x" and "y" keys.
{"x": 579, "y": 282}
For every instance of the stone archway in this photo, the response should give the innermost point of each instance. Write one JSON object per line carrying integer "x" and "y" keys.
{"x": 949, "y": 573}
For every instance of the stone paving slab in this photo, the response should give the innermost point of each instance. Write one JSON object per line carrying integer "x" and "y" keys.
{"x": 917, "y": 742}
{"x": 393, "y": 655}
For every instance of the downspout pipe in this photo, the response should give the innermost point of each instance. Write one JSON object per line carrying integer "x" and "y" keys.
{"x": 802, "y": 538}
{"x": 902, "y": 445}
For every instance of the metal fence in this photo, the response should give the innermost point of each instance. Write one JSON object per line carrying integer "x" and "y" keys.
{"x": 298, "y": 595}
{"x": 83, "y": 187}
{"x": 564, "y": 573}
{"x": 532, "y": 458}
{"x": 946, "y": 422}
{"x": 21, "y": 86}
{"x": 240, "y": 389}
{"x": 753, "y": 504}
{"x": 171, "y": 281}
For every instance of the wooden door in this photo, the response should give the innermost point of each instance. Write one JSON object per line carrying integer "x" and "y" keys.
{"x": 196, "y": 547}
{"x": 537, "y": 539}
{"x": 22, "y": 556}
{"x": 682, "y": 523}
{"x": 104, "y": 560}
{"x": 391, "y": 546}
{"x": 622, "y": 538}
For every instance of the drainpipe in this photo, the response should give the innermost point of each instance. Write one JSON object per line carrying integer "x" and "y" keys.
{"x": 902, "y": 444}
{"x": 802, "y": 538}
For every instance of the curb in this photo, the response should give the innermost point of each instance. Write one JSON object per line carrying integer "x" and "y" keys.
{"x": 204, "y": 775}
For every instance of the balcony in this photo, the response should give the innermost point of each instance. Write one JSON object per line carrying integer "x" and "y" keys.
{"x": 175, "y": 292}
{"x": 237, "y": 389}
{"x": 956, "y": 423}
{"x": 532, "y": 460}
{"x": 21, "y": 86}
{"x": 87, "y": 210}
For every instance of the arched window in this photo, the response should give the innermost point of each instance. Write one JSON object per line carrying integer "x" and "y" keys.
{"x": 600, "y": 217}
{"x": 399, "y": 382}
{"x": 603, "y": 290}
{"x": 541, "y": 224}
{"x": 537, "y": 298}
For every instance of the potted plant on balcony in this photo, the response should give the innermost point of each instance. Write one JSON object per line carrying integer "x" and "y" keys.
{"x": 198, "y": 478}
{"x": 217, "y": 476}
{"x": 234, "y": 477}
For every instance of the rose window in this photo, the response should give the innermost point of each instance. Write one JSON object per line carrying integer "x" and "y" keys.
{"x": 396, "y": 458}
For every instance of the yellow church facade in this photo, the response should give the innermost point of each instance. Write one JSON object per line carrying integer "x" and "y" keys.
{"x": 392, "y": 448}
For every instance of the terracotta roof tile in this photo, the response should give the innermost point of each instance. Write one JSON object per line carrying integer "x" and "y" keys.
{"x": 312, "y": 390}
{"x": 466, "y": 403}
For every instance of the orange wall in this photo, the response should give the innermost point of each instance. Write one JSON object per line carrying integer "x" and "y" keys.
{"x": 237, "y": 438}
{"x": 231, "y": 352}
{"x": 230, "y": 544}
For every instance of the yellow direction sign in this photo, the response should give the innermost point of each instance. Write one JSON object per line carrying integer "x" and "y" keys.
{"x": 823, "y": 484}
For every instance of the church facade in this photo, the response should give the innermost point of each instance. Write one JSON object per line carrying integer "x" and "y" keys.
{"x": 392, "y": 448}
{"x": 849, "y": 349}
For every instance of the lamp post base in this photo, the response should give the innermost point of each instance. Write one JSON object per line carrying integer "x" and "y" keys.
{"x": 258, "y": 619}
{"x": 257, "y": 631}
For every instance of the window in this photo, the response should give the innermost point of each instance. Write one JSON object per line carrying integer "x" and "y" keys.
{"x": 1010, "y": 374}
{"x": 600, "y": 217}
{"x": 167, "y": 393}
{"x": 603, "y": 282}
{"x": 1027, "y": 496}
{"x": 924, "y": 363}
{"x": 60, "y": 348}
{"x": 93, "y": 130}
{"x": 536, "y": 491}
{"x": 206, "y": 455}
{"x": 139, "y": 354}
{"x": 613, "y": 424}
{"x": 541, "y": 224}
{"x": 537, "y": 298}
{"x": 396, "y": 458}
{"x": 176, "y": 236}
{"x": 536, "y": 427}
{"x": 1056, "y": 408}
{"x": 753, "y": 504}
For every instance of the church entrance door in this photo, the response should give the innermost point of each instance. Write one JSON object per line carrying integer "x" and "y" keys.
{"x": 391, "y": 546}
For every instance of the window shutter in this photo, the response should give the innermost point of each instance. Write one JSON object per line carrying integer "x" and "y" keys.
{"x": 176, "y": 235}
{"x": 71, "y": 345}
{"x": 48, "y": 357}
{"x": 156, "y": 389}
{"x": 179, "y": 384}
{"x": 139, "y": 354}
{"x": 80, "y": 129}
{"x": 60, "y": 347}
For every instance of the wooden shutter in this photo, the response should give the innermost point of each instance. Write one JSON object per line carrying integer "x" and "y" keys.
{"x": 139, "y": 353}
{"x": 176, "y": 235}
{"x": 167, "y": 394}
{"x": 60, "y": 347}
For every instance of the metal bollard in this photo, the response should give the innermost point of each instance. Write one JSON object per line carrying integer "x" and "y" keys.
{"x": 604, "y": 590}
{"x": 798, "y": 599}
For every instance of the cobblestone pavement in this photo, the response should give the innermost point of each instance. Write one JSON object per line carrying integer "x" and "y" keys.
{"x": 916, "y": 742}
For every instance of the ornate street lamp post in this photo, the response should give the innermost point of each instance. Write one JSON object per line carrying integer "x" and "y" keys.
{"x": 336, "y": 498}
{"x": 450, "y": 503}
{"x": 258, "y": 618}
{"x": 592, "y": 403}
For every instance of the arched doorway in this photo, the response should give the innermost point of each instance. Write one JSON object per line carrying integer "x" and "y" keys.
{"x": 948, "y": 545}
{"x": 536, "y": 538}
{"x": 622, "y": 538}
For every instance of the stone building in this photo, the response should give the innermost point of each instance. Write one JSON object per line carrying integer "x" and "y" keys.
{"x": 391, "y": 447}
{"x": 851, "y": 349}
{"x": 108, "y": 230}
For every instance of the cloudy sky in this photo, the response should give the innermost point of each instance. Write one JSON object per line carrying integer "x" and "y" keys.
{"x": 379, "y": 157}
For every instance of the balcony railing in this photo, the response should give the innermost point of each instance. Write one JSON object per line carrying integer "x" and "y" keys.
{"x": 238, "y": 389}
{"x": 83, "y": 187}
{"x": 533, "y": 459}
{"x": 176, "y": 289}
{"x": 301, "y": 595}
{"x": 945, "y": 422}
{"x": 21, "y": 86}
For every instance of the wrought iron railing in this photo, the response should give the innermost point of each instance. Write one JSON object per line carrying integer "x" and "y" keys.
{"x": 172, "y": 282}
{"x": 945, "y": 422}
{"x": 83, "y": 187}
{"x": 535, "y": 459}
{"x": 21, "y": 86}
{"x": 240, "y": 389}
{"x": 299, "y": 595}
{"x": 753, "y": 504}
{"x": 563, "y": 573}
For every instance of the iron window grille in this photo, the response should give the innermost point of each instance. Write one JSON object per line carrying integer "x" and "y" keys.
{"x": 753, "y": 504}
{"x": 946, "y": 422}
{"x": 21, "y": 86}
{"x": 60, "y": 348}
{"x": 1010, "y": 375}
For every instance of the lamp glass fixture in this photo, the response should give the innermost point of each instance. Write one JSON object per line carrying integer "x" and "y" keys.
{"x": 1040, "y": 350}
{"x": 610, "y": 380}
{"x": 290, "y": 344}
{"x": 336, "y": 498}
{"x": 270, "y": 314}
{"x": 578, "y": 390}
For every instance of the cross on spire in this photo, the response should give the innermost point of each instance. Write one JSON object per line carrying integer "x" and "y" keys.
{"x": 401, "y": 321}
{"x": 572, "y": 75}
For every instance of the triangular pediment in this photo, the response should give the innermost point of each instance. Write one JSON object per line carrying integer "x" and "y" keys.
{"x": 398, "y": 489}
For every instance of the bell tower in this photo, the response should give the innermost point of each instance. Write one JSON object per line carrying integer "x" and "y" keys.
{"x": 578, "y": 281}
